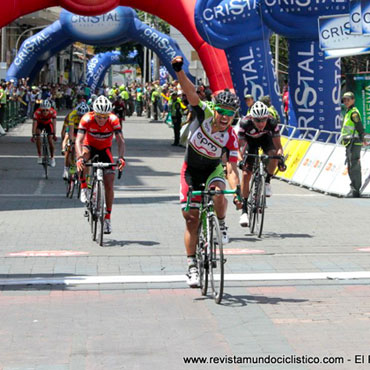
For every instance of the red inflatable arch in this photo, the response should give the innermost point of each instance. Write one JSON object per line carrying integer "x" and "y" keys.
{"x": 179, "y": 13}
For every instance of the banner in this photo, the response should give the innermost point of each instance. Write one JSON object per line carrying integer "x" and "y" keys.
{"x": 365, "y": 9}
{"x": 314, "y": 85}
{"x": 340, "y": 53}
{"x": 362, "y": 96}
{"x": 355, "y": 16}
{"x": 335, "y": 33}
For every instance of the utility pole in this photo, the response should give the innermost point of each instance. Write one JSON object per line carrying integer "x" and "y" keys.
{"x": 71, "y": 64}
{"x": 277, "y": 57}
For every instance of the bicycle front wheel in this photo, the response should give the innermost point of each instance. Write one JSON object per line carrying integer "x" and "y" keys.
{"x": 260, "y": 206}
{"x": 93, "y": 210}
{"x": 100, "y": 211}
{"x": 252, "y": 205}
{"x": 216, "y": 258}
{"x": 45, "y": 156}
{"x": 202, "y": 258}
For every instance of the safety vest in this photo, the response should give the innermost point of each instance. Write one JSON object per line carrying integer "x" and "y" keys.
{"x": 155, "y": 96}
{"x": 139, "y": 96}
{"x": 349, "y": 128}
{"x": 173, "y": 106}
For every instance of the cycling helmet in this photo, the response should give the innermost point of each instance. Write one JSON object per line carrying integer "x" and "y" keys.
{"x": 259, "y": 110}
{"x": 45, "y": 104}
{"x": 82, "y": 109}
{"x": 228, "y": 99}
{"x": 93, "y": 97}
{"x": 102, "y": 105}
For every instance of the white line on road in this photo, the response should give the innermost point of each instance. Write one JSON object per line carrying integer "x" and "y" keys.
{"x": 40, "y": 187}
{"x": 79, "y": 280}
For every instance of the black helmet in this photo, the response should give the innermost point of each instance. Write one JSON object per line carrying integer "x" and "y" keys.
{"x": 227, "y": 99}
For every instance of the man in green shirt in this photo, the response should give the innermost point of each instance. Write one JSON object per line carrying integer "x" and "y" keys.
{"x": 352, "y": 135}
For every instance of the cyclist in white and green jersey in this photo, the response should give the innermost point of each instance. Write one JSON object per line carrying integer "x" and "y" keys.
{"x": 210, "y": 136}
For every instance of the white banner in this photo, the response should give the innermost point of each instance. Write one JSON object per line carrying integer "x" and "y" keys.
{"x": 365, "y": 170}
{"x": 335, "y": 33}
{"x": 365, "y": 10}
{"x": 339, "y": 53}
{"x": 355, "y": 16}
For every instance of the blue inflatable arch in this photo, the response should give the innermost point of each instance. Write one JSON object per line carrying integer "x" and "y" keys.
{"x": 115, "y": 27}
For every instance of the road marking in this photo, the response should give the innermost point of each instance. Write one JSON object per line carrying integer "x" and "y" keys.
{"x": 47, "y": 254}
{"x": 80, "y": 280}
{"x": 364, "y": 249}
{"x": 232, "y": 251}
{"x": 40, "y": 187}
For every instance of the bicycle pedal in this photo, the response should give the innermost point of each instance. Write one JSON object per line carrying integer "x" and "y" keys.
{"x": 86, "y": 214}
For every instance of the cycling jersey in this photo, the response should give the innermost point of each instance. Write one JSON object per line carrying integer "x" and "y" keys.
{"x": 45, "y": 119}
{"x": 74, "y": 119}
{"x": 248, "y": 129}
{"x": 99, "y": 137}
{"x": 205, "y": 149}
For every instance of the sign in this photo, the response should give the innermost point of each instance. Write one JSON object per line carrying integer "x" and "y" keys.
{"x": 365, "y": 10}
{"x": 335, "y": 33}
{"x": 362, "y": 96}
{"x": 340, "y": 53}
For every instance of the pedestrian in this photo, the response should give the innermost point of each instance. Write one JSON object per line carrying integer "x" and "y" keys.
{"x": 176, "y": 115}
{"x": 249, "y": 101}
{"x": 2, "y": 107}
{"x": 353, "y": 137}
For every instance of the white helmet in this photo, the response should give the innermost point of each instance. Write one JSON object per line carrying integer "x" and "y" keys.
{"x": 45, "y": 104}
{"x": 102, "y": 105}
{"x": 259, "y": 110}
{"x": 82, "y": 109}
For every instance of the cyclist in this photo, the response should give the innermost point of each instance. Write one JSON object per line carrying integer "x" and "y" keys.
{"x": 44, "y": 118}
{"x": 95, "y": 134}
{"x": 73, "y": 121}
{"x": 258, "y": 129}
{"x": 209, "y": 136}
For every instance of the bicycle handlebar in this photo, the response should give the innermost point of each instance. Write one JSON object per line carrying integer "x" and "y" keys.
{"x": 210, "y": 192}
{"x": 103, "y": 165}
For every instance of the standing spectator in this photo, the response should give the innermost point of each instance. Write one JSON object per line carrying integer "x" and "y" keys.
{"x": 176, "y": 115}
{"x": 139, "y": 102}
{"x": 155, "y": 96}
{"x": 272, "y": 110}
{"x": 249, "y": 100}
{"x": 286, "y": 103}
{"x": 119, "y": 108}
{"x": 353, "y": 137}
{"x": 2, "y": 107}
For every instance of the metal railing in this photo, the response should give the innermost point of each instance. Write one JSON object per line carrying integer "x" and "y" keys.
{"x": 15, "y": 113}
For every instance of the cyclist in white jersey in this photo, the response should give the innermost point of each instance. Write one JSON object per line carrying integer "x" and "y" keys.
{"x": 210, "y": 136}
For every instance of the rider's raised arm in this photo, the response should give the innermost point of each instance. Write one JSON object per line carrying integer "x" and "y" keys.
{"x": 187, "y": 86}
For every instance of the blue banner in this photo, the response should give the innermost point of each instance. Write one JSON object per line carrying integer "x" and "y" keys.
{"x": 315, "y": 88}
{"x": 355, "y": 16}
{"x": 236, "y": 27}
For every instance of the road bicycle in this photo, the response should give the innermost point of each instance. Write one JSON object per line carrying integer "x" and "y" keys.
{"x": 96, "y": 200}
{"x": 45, "y": 153}
{"x": 209, "y": 250}
{"x": 72, "y": 182}
{"x": 256, "y": 202}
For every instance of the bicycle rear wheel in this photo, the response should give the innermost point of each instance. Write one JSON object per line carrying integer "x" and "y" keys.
{"x": 100, "y": 211}
{"x": 216, "y": 258}
{"x": 252, "y": 205}
{"x": 45, "y": 155}
{"x": 202, "y": 258}
{"x": 260, "y": 206}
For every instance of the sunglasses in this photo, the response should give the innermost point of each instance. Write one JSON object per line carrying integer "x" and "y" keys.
{"x": 259, "y": 120}
{"x": 99, "y": 115}
{"x": 224, "y": 112}
{"x": 44, "y": 110}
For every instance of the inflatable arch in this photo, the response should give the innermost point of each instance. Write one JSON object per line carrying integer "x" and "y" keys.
{"x": 237, "y": 28}
{"x": 115, "y": 27}
{"x": 179, "y": 13}
{"x": 314, "y": 82}
{"x": 98, "y": 66}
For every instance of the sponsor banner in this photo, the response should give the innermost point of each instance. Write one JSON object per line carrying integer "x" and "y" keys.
{"x": 362, "y": 96}
{"x": 355, "y": 16}
{"x": 335, "y": 33}
{"x": 295, "y": 151}
{"x": 315, "y": 89}
{"x": 333, "y": 166}
{"x": 365, "y": 10}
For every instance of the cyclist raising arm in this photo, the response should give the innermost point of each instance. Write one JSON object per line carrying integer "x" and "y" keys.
{"x": 210, "y": 135}
{"x": 258, "y": 130}
{"x": 94, "y": 137}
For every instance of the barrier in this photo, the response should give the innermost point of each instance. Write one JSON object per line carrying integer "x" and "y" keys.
{"x": 320, "y": 164}
{"x": 14, "y": 114}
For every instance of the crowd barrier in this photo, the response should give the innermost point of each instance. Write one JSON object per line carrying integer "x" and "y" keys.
{"x": 316, "y": 159}
{"x": 15, "y": 113}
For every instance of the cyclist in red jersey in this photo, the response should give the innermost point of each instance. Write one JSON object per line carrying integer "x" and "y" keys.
{"x": 94, "y": 137}
{"x": 44, "y": 118}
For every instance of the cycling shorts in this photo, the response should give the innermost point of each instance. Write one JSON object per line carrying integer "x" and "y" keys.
{"x": 104, "y": 155}
{"x": 48, "y": 128}
{"x": 265, "y": 142}
{"x": 195, "y": 178}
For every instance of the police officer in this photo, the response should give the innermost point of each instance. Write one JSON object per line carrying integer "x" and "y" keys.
{"x": 352, "y": 135}
{"x": 249, "y": 100}
{"x": 272, "y": 110}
